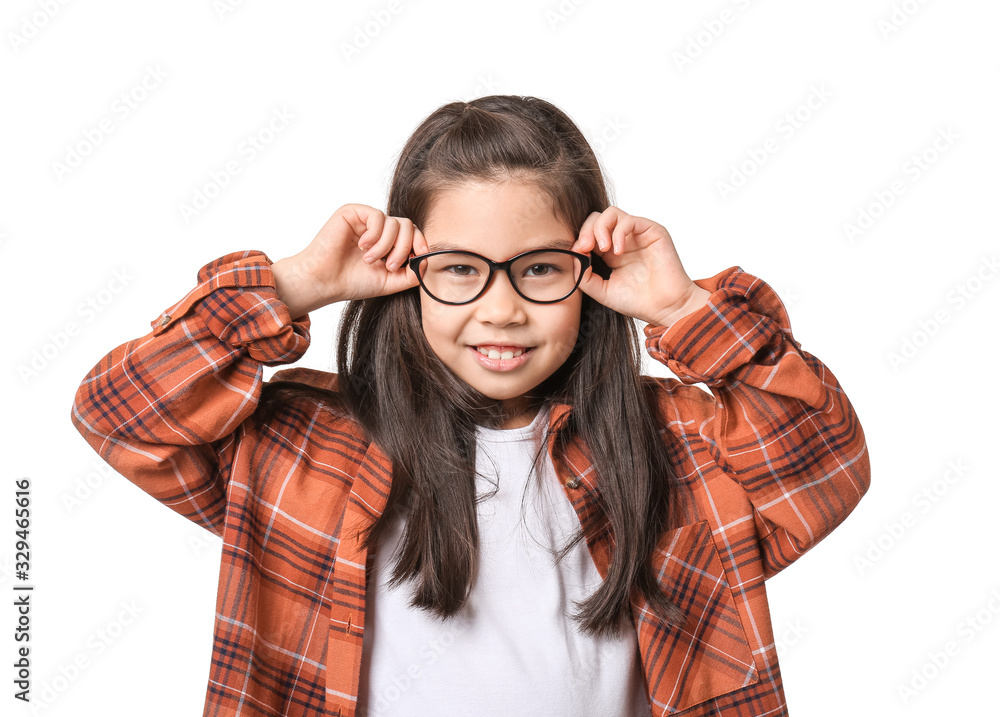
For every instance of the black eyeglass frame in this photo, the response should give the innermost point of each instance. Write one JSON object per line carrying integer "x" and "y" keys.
{"x": 495, "y": 266}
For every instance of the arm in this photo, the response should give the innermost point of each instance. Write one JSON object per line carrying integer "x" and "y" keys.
{"x": 777, "y": 419}
{"x": 166, "y": 410}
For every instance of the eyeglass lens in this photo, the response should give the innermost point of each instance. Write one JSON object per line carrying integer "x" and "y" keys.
{"x": 541, "y": 276}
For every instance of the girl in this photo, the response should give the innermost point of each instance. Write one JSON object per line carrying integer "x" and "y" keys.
{"x": 489, "y": 510}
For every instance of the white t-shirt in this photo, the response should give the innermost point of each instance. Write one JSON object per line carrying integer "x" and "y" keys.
{"x": 514, "y": 648}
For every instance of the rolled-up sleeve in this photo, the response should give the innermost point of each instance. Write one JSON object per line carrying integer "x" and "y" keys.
{"x": 777, "y": 420}
{"x": 166, "y": 409}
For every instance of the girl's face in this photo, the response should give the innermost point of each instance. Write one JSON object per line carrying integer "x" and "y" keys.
{"x": 498, "y": 222}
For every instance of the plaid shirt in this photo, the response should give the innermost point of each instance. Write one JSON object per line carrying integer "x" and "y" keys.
{"x": 773, "y": 459}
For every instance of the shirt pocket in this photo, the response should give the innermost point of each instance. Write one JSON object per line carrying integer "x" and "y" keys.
{"x": 710, "y": 654}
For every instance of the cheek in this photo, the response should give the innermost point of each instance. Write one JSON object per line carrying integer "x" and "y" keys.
{"x": 441, "y": 327}
{"x": 569, "y": 328}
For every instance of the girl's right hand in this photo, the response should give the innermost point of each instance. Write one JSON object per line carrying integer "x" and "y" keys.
{"x": 359, "y": 253}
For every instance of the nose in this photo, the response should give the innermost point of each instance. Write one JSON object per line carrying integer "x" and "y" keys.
{"x": 500, "y": 304}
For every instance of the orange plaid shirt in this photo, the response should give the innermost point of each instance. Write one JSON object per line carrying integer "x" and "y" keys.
{"x": 773, "y": 458}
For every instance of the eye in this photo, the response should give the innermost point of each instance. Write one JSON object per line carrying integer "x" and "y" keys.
{"x": 459, "y": 270}
{"x": 542, "y": 270}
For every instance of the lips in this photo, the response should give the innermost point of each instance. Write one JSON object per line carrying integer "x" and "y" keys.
{"x": 500, "y": 351}
{"x": 496, "y": 360}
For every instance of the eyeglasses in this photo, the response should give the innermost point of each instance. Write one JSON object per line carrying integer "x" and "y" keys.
{"x": 541, "y": 276}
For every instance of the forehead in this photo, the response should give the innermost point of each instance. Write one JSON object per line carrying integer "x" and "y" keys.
{"x": 498, "y": 246}
{"x": 495, "y": 220}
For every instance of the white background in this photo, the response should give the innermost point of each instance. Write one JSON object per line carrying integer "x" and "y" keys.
{"x": 892, "y": 78}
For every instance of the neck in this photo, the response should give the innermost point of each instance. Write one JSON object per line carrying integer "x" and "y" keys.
{"x": 520, "y": 420}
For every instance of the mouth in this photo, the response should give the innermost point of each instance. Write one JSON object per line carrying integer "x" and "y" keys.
{"x": 502, "y": 352}
{"x": 494, "y": 357}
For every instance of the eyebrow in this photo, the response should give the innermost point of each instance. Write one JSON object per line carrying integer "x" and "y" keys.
{"x": 546, "y": 244}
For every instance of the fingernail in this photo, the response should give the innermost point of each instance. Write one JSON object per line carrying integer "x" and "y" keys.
{"x": 390, "y": 265}
{"x": 369, "y": 259}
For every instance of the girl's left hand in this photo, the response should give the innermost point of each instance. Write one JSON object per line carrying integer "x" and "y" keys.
{"x": 647, "y": 280}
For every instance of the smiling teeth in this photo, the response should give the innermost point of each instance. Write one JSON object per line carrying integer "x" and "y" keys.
{"x": 494, "y": 354}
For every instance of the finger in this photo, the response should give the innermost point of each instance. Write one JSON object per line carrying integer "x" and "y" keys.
{"x": 585, "y": 240}
{"x": 593, "y": 285}
{"x": 419, "y": 241}
{"x": 591, "y": 231}
{"x": 385, "y": 241}
{"x": 623, "y": 227}
{"x": 374, "y": 221}
{"x": 401, "y": 249}
{"x": 400, "y": 280}
{"x": 419, "y": 247}
{"x": 603, "y": 227}
{"x": 584, "y": 244}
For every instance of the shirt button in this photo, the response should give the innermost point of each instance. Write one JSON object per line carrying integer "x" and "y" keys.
{"x": 165, "y": 319}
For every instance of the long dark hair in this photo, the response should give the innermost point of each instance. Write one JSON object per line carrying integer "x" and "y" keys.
{"x": 390, "y": 380}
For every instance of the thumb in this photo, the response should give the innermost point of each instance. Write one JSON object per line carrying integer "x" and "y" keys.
{"x": 593, "y": 285}
{"x": 400, "y": 280}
